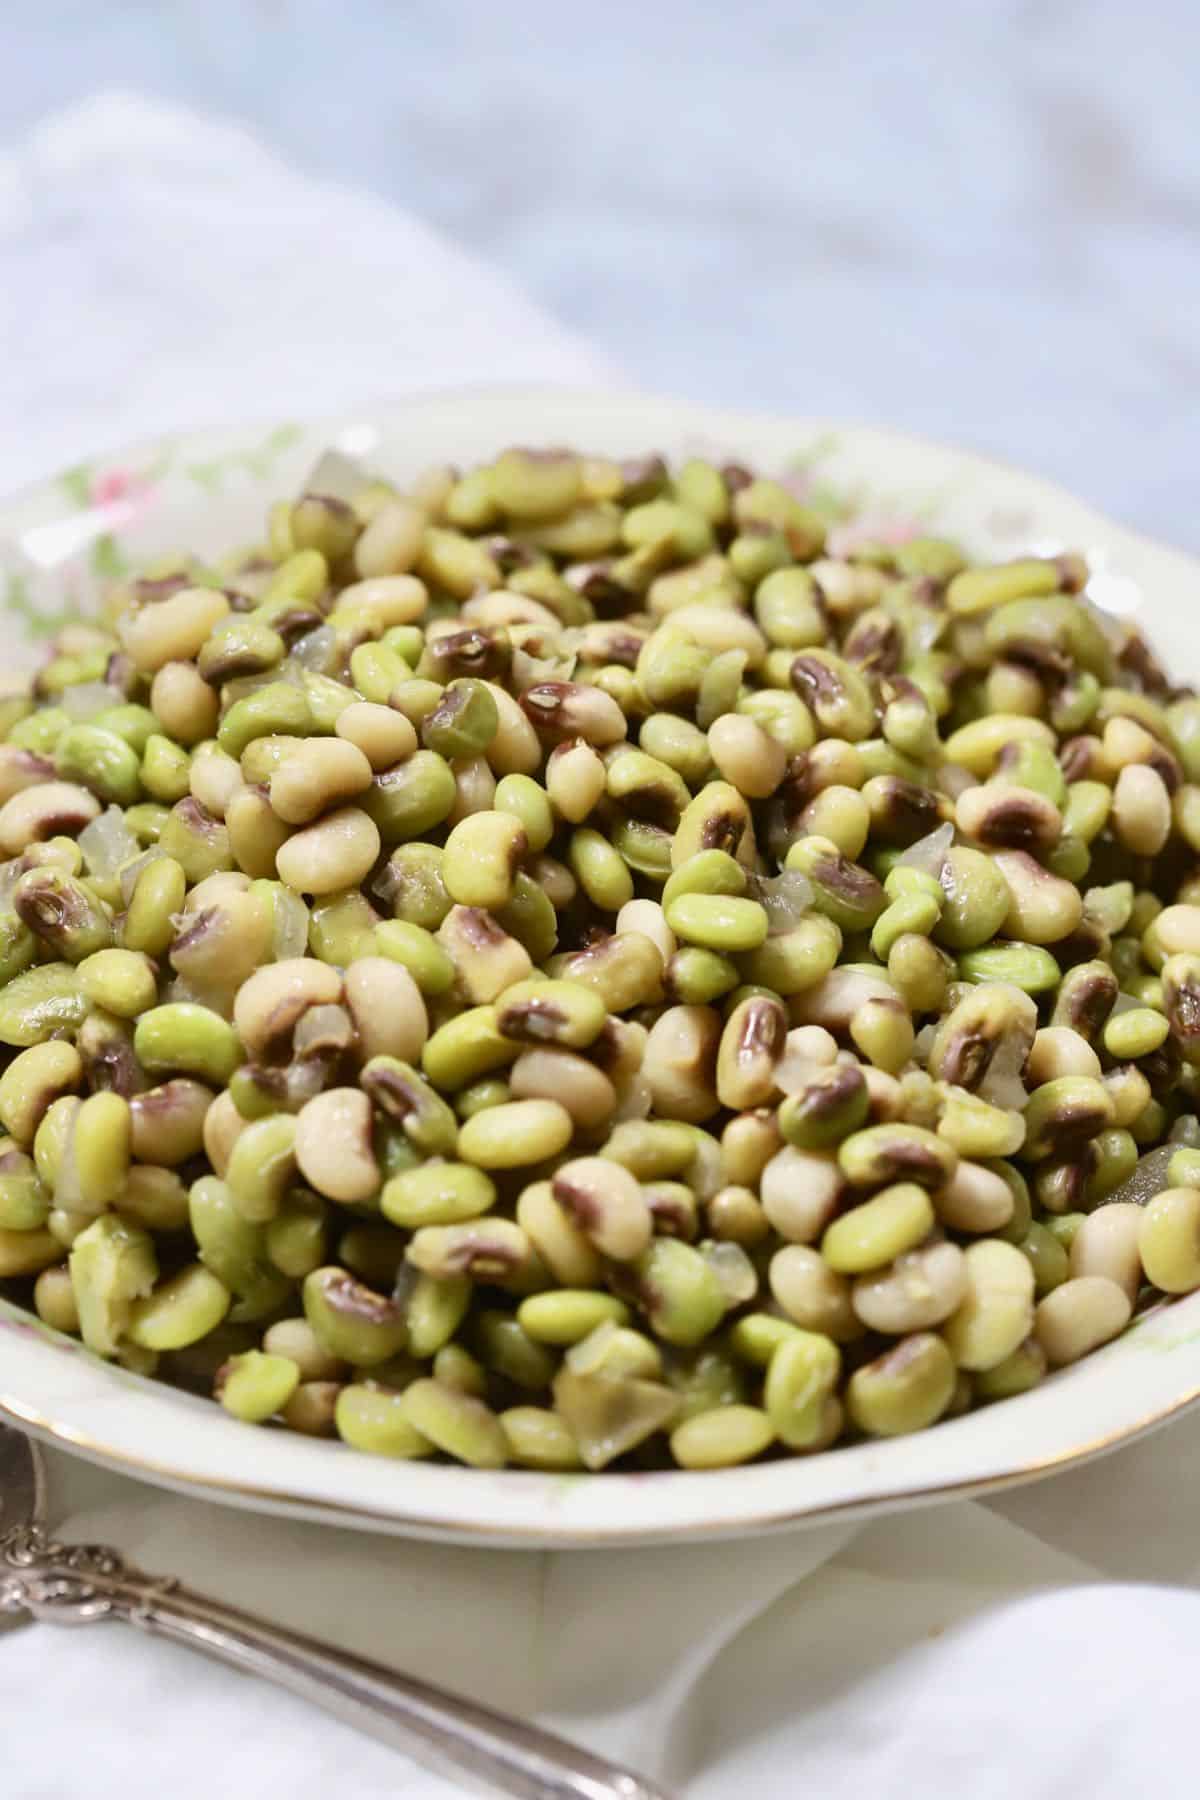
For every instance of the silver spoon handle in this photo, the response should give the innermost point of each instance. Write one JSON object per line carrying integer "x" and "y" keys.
{"x": 79, "y": 1584}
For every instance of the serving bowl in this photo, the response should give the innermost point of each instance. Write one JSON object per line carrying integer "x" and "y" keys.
{"x": 61, "y": 540}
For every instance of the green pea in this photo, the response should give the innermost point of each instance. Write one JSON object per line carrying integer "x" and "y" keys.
{"x": 63, "y": 912}
{"x": 100, "y": 1150}
{"x": 1047, "y": 1257}
{"x": 467, "y": 1046}
{"x": 40, "y": 731}
{"x": 977, "y": 899}
{"x": 787, "y": 605}
{"x": 1137, "y": 1032}
{"x": 521, "y": 796}
{"x": 458, "y": 1424}
{"x": 99, "y": 760}
{"x": 679, "y": 744}
{"x": 411, "y": 798}
{"x": 372, "y": 1419}
{"x": 196, "y": 840}
{"x": 568, "y": 1315}
{"x": 342, "y": 928}
{"x": 181, "y": 1311}
{"x": 262, "y": 1166}
{"x": 41, "y": 1003}
{"x": 119, "y": 981}
{"x": 1113, "y": 1156}
{"x": 718, "y": 922}
{"x": 506, "y": 1349}
{"x": 694, "y": 976}
{"x": 24, "y": 1202}
{"x": 878, "y": 1231}
{"x": 242, "y": 644}
{"x": 599, "y": 870}
{"x": 831, "y": 1104}
{"x": 530, "y": 918}
{"x": 1026, "y": 966}
{"x": 1063, "y": 1227}
{"x": 279, "y": 707}
{"x": 132, "y": 723}
{"x": 400, "y": 1093}
{"x": 801, "y": 1377}
{"x": 436, "y": 1309}
{"x": 708, "y": 872}
{"x": 255, "y": 1385}
{"x": 1183, "y": 1170}
{"x": 794, "y": 960}
{"x": 884, "y": 1153}
{"x": 419, "y": 951}
{"x": 165, "y": 769}
{"x": 844, "y": 892}
{"x": 538, "y": 1439}
{"x": 464, "y": 721}
{"x": 1015, "y": 1375}
{"x": 679, "y": 1292}
{"x": 158, "y": 894}
{"x": 908, "y": 913}
{"x": 351, "y": 1321}
{"x": 491, "y": 1090}
{"x": 437, "y": 1193}
{"x": 182, "y": 1038}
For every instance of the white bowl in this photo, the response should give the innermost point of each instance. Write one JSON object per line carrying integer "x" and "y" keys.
{"x": 208, "y": 491}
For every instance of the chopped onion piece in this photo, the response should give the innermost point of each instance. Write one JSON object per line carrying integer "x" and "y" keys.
{"x": 733, "y": 1269}
{"x": 316, "y": 650}
{"x": 290, "y": 936}
{"x": 107, "y": 843}
{"x": 337, "y": 476}
{"x": 1003, "y": 1086}
{"x": 807, "y": 1050}
{"x": 587, "y": 1356}
{"x": 131, "y": 870}
{"x": 835, "y": 999}
{"x": 242, "y": 685}
{"x": 929, "y": 852}
{"x": 528, "y": 670}
{"x": 1126, "y": 1003}
{"x": 86, "y": 699}
{"x": 785, "y": 898}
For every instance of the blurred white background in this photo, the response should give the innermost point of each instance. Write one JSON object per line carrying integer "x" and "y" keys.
{"x": 977, "y": 219}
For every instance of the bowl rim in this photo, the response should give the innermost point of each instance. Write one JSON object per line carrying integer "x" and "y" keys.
{"x": 524, "y": 1508}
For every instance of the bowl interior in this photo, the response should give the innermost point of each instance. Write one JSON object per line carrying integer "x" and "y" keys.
{"x": 62, "y": 540}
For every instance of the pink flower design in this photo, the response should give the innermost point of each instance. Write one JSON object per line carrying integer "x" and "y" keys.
{"x": 871, "y": 528}
{"x": 120, "y": 495}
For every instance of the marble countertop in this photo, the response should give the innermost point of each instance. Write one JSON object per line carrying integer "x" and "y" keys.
{"x": 978, "y": 222}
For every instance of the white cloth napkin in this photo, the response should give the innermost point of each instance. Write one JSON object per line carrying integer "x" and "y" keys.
{"x": 1043, "y": 1646}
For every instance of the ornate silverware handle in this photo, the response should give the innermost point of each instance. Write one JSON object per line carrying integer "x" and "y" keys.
{"x": 83, "y": 1583}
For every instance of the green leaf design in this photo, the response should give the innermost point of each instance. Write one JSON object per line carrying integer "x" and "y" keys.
{"x": 76, "y": 484}
{"x": 820, "y": 449}
{"x": 107, "y": 559}
{"x": 256, "y": 462}
{"x": 283, "y": 437}
{"x": 206, "y": 475}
